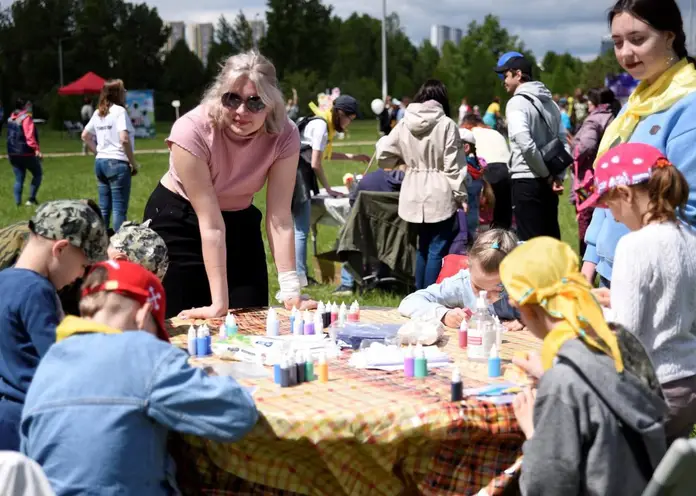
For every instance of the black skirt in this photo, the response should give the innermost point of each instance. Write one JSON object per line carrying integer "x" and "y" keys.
{"x": 186, "y": 282}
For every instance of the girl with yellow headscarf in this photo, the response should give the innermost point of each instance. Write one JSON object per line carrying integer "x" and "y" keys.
{"x": 596, "y": 423}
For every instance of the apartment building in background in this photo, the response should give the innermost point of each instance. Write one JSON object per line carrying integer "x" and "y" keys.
{"x": 200, "y": 38}
{"x": 177, "y": 33}
{"x": 440, "y": 34}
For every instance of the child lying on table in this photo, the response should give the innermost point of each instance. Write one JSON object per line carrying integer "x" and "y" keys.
{"x": 449, "y": 300}
{"x": 596, "y": 423}
{"x": 98, "y": 412}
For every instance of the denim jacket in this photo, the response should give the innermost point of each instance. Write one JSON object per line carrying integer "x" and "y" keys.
{"x": 99, "y": 409}
{"x": 436, "y": 300}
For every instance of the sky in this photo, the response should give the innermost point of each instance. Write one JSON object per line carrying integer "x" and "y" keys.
{"x": 575, "y": 26}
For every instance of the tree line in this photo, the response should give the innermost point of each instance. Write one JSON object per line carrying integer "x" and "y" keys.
{"x": 312, "y": 48}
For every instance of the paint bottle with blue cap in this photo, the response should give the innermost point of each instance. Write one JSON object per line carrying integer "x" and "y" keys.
{"x": 494, "y": 366}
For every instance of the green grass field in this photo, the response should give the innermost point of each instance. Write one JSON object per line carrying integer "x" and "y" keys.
{"x": 73, "y": 177}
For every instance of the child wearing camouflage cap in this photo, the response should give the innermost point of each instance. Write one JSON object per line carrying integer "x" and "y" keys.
{"x": 140, "y": 244}
{"x": 66, "y": 236}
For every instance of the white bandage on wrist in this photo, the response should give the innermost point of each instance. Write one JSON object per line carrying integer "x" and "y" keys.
{"x": 289, "y": 286}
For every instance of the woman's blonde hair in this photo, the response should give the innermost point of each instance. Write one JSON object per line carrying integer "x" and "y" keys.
{"x": 113, "y": 93}
{"x": 259, "y": 70}
{"x": 491, "y": 247}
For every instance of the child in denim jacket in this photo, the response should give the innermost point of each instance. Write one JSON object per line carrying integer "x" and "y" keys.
{"x": 103, "y": 401}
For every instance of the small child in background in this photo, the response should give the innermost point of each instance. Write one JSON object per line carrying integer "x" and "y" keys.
{"x": 107, "y": 394}
{"x": 654, "y": 275}
{"x": 448, "y": 301}
{"x": 475, "y": 168}
{"x": 65, "y": 237}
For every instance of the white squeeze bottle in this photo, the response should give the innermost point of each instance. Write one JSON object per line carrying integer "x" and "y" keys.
{"x": 478, "y": 345}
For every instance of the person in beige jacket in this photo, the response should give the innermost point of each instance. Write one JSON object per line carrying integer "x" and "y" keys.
{"x": 434, "y": 187}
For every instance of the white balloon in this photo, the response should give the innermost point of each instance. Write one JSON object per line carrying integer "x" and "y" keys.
{"x": 377, "y": 106}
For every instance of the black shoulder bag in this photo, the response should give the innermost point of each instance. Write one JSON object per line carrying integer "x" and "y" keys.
{"x": 554, "y": 153}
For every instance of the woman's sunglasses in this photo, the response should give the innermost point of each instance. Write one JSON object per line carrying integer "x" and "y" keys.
{"x": 233, "y": 101}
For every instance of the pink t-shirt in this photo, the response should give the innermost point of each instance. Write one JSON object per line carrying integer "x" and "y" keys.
{"x": 238, "y": 165}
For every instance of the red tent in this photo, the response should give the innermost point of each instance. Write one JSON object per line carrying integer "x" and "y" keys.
{"x": 89, "y": 83}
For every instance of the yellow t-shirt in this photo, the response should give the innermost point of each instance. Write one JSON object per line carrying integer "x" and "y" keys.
{"x": 493, "y": 108}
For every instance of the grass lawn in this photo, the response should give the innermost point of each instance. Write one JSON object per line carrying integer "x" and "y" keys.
{"x": 73, "y": 177}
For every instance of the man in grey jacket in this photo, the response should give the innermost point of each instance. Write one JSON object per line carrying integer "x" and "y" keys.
{"x": 533, "y": 120}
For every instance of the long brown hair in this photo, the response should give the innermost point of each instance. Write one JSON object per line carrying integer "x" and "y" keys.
{"x": 113, "y": 93}
{"x": 668, "y": 192}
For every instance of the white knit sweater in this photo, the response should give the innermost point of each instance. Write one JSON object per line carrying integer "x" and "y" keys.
{"x": 653, "y": 295}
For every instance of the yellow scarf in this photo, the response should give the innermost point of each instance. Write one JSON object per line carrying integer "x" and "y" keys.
{"x": 544, "y": 271}
{"x": 673, "y": 85}
{"x": 327, "y": 115}
{"x": 75, "y": 325}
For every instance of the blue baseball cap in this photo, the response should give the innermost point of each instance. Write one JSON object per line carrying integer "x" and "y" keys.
{"x": 513, "y": 61}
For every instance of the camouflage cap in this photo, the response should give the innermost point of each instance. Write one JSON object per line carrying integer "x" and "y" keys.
{"x": 143, "y": 246}
{"x": 74, "y": 221}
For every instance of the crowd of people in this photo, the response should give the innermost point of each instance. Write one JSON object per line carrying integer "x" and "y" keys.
{"x": 615, "y": 382}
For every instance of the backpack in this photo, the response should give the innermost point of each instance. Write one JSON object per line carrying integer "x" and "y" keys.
{"x": 306, "y": 180}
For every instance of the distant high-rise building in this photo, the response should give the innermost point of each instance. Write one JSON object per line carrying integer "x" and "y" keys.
{"x": 258, "y": 31}
{"x": 456, "y": 36}
{"x": 201, "y": 37}
{"x": 177, "y": 33}
{"x": 607, "y": 45}
{"x": 440, "y": 34}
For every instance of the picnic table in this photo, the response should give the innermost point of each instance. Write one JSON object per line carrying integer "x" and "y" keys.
{"x": 366, "y": 432}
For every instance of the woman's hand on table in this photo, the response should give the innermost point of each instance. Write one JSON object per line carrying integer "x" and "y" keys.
{"x": 301, "y": 303}
{"x": 454, "y": 318}
{"x": 209, "y": 312}
{"x": 513, "y": 325}
{"x": 531, "y": 365}
{"x": 603, "y": 296}
{"x": 334, "y": 193}
{"x": 523, "y": 406}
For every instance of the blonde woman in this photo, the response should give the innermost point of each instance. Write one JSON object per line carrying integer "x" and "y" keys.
{"x": 221, "y": 154}
{"x": 110, "y": 134}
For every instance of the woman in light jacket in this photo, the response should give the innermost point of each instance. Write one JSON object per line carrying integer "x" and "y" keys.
{"x": 601, "y": 104}
{"x": 434, "y": 187}
{"x": 650, "y": 44}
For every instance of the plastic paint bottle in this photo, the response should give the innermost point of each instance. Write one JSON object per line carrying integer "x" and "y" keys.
{"x": 457, "y": 387}
{"x": 292, "y": 369}
{"x": 318, "y": 323}
{"x": 409, "y": 362}
{"x": 293, "y": 316}
{"x": 326, "y": 316}
{"x": 201, "y": 343}
{"x": 309, "y": 367}
{"x": 478, "y": 333}
{"x": 494, "y": 363}
{"x": 231, "y": 327}
{"x": 463, "y": 333}
{"x": 208, "y": 341}
{"x": 298, "y": 325}
{"x": 308, "y": 323}
{"x": 323, "y": 367}
{"x": 321, "y": 309}
{"x": 334, "y": 313}
{"x": 421, "y": 363}
{"x": 192, "y": 341}
{"x": 272, "y": 323}
{"x": 277, "y": 374}
{"x": 284, "y": 373}
{"x": 342, "y": 315}
{"x": 301, "y": 368}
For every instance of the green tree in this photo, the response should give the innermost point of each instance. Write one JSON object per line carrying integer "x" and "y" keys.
{"x": 427, "y": 60}
{"x": 242, "y": 36}
{"x": 299, "y": 36}
{"x": 183, "y": 76}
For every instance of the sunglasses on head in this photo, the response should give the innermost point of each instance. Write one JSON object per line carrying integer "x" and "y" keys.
{"x": 233, "y": 101}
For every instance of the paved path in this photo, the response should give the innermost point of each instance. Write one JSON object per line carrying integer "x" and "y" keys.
{"x": 165, "y": 150}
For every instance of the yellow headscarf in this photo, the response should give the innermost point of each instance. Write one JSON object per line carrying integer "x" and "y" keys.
{"x": 544, "y": 271}
{"x": 327, "y": 115}
{"x": 673, "y": 85}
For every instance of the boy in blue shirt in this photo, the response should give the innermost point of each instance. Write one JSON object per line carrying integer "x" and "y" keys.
{"x": 103, "y": 401}
{"x": 66, "y": 236}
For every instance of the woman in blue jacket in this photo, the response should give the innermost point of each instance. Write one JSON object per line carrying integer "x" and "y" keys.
{"x": 650, "y": 44}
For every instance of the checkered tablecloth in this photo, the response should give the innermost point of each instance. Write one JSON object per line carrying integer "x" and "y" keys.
{"x": 363, "y": 433}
